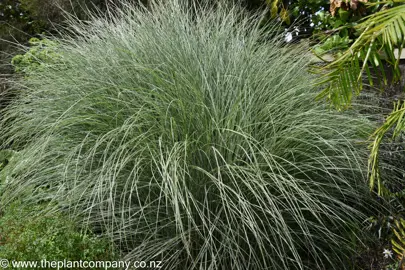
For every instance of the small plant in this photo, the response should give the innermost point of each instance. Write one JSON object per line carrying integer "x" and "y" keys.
{"x": 41, "y": 52}
{"x": 26, "y": 234}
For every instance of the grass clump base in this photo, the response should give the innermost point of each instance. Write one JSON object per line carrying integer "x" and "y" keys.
{"x": 189, "y": 137}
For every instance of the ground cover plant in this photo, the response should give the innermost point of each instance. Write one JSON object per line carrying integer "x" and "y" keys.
{"x": 186, "y": 135}
{"x": 25, "y": 236}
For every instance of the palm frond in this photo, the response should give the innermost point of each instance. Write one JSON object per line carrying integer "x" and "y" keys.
{"x": 395, "y": 120}
{"x": 381, "y": 33}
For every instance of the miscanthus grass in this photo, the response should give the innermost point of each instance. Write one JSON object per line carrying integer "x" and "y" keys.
{"x": 190, "y": 136}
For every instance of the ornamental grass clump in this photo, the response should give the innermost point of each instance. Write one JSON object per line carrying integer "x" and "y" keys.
{"x": 190, "y": 136}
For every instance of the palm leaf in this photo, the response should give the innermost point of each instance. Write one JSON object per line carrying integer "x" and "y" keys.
{"x": 381, "y": 33}
{"x": 395, "y": 120}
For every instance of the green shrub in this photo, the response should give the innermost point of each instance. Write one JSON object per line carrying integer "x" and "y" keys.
{"x": 41, "y": 52}
{"x": 190, "y": 138}
{"x": 27, "y": 236}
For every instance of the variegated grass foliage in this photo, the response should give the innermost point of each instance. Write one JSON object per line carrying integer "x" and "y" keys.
{"x": 188, "y": 136}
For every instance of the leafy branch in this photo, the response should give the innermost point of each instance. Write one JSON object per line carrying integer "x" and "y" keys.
{"x": 380, "y": 41}
{"x": 381, "y": 34}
